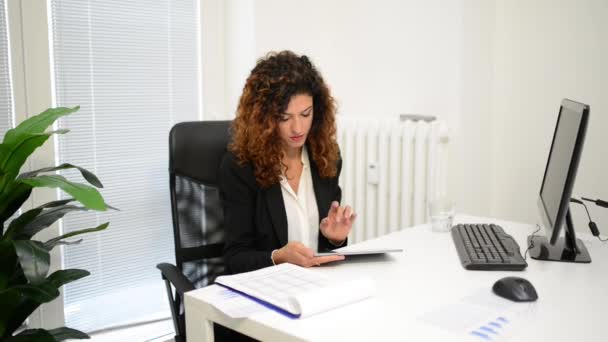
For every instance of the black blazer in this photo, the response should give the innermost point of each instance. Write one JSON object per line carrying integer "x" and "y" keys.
{"x": 255, "y": 219}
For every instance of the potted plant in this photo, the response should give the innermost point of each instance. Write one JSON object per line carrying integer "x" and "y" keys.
{"x": 24, "y": 262}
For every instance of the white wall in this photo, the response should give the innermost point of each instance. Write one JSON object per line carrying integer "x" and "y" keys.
{"x": 545, "y": 51}
{"x": 227, "y": 56}
{"x": 212, "y": 58}
{"x": 473, "y": 147}
{"x": 239, "y": 48}
{"x": 379, "y": 57}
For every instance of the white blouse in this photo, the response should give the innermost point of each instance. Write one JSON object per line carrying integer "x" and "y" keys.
{"x": 301, "y": 208}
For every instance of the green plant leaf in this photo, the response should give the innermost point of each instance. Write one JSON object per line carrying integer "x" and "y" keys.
{"x": 111, "y": 207}
{"x": 25, "y": 307}
{"x": 88, "y": 175}
{"x": 34, "y": 220}
{"x": 3, "y": 282}
{"x": 10, "y": 300}
{"x": 85, "y": 194}
{"x": 40, "y": 293}
{"x": 44, "y": 220}
{"x": 32, "y": 335}
{"x": 53, "y": 335}
{"x": 22, "y": 300}
{"x": 8, "y": 262}
{"x": 56, "y": 203}
{"x": 18, "y": 143}
{"x": 12, "y": 200}
{"x": 33, "y": 258}
{"x": 19, "y": 222}
{"x": 17, "y": 277}
{"x": 12, "y": 161}
{"x": 54, "y": 241}
{"x": 49, "y": 247}
{"x": 64, "y": 333}
{"x": 37, "y": 123}
{"x": 3, "y": 150}
{"x": 62, "y": 277}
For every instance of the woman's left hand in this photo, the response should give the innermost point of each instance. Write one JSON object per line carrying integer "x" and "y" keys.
{"x": 338, "y": 223}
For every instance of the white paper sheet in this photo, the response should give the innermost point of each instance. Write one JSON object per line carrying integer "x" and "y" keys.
{"x": 482, "y": 316}
{"x": 232, "y": 303}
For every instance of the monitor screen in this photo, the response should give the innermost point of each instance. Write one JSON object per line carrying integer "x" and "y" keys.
{"x": 556, "y": 187}
{"x": 559, "y": 163}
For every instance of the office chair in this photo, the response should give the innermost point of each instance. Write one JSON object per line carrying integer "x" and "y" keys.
{"x": 195, "y": 152}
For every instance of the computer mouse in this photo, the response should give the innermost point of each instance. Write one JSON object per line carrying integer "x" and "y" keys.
{"x": 516, "y": 289}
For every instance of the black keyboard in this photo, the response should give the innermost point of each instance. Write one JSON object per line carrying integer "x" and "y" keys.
{"x": 487, "y": 247}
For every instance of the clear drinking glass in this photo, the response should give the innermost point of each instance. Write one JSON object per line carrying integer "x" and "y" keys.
{"x": 441, "y": 213}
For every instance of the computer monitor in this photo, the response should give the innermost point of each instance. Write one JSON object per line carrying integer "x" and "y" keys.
{"x": 556, "y": 188}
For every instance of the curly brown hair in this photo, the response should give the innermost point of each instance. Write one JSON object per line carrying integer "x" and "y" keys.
{"x": 274, "y": 80}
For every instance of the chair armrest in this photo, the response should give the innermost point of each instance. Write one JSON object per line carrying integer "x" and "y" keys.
{"x": 175, "y": 277}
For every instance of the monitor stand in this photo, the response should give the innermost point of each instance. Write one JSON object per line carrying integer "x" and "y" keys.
{"x": 568, "y": 249}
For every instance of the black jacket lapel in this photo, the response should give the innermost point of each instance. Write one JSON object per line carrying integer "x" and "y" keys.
{"x": 276, "y": 207}
{"x": 321, "y": 192}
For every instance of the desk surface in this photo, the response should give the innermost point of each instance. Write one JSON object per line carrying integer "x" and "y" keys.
{"x": 426, "y": 277}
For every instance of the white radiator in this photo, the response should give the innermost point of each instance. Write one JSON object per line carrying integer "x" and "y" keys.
{"x": 390, "y": 169}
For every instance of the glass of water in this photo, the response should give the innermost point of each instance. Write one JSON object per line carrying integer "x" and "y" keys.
{"x": 441, "y": 213}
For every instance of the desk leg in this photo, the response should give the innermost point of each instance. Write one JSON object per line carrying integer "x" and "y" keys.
{"x": 197, "y": 327}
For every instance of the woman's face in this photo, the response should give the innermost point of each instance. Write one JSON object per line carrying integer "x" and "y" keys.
{"x": 295, "y": 123}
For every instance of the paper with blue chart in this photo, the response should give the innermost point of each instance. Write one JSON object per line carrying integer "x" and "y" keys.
{"x": 481, "y": 316}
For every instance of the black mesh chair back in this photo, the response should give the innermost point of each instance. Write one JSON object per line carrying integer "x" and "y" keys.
{"x": 195, "y": 153}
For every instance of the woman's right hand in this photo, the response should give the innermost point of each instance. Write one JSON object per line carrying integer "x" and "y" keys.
{"x": 296, "y": 253}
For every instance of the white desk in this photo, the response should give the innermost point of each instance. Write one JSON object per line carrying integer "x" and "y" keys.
{"x": 572, "y": 304}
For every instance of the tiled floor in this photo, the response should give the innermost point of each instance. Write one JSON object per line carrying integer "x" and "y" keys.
{"x": 161, "y": 331}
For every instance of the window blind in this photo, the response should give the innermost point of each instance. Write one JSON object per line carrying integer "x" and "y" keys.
{"x": 6, "y": 94}
{"x": 133, "y": 67}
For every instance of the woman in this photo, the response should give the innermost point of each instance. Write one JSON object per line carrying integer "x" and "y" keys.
{"x": 279, "y": 180}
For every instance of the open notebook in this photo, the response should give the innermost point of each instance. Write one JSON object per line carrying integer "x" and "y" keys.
{"x": 295, "y": 291}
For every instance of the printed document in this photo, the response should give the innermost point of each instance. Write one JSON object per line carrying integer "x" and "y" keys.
{"x": 296, "y": 291}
